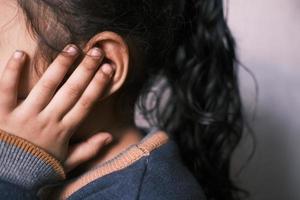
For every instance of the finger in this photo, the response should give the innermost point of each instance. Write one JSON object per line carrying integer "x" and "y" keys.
{"x": 9, "y": 81}
{"x": 43, "y": 91}
{"x": 91, "y": 95}
{"x": 71, "y": 91}
{"x": 82, "y": 152}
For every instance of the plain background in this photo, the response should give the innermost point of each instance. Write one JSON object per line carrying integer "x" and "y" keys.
{"x": 268, "y": 38}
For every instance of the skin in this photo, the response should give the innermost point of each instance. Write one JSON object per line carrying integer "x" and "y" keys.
{"x": 72, "y": 122}
{"x": 43, "y": 118}
{"x": 12, "y": 25}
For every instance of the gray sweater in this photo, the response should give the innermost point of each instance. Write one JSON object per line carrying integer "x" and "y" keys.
{"x": 150, "y": 170}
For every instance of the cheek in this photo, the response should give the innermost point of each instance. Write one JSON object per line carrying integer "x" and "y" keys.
{"x": 14, "y": 35}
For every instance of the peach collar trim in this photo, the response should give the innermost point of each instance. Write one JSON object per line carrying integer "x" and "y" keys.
{"x": 135, "y": 152}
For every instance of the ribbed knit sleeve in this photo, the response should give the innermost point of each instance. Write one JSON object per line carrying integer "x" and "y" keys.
{"x": 26, "y": 165}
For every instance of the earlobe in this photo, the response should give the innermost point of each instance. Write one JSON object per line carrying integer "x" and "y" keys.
{"x": 116, "y": 54}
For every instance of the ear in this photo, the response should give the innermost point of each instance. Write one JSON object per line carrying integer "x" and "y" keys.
{"x": 116, "y": 54}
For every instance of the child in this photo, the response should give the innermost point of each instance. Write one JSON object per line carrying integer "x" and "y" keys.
{"x": 194, "y": 125}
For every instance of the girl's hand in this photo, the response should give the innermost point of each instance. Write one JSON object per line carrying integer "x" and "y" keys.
{"x": 48, "y": 118}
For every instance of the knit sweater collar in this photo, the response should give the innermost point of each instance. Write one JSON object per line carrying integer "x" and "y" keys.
{"x": 153, "y": 140}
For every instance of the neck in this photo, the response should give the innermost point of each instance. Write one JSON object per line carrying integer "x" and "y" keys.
{"x": 103, "y": 118}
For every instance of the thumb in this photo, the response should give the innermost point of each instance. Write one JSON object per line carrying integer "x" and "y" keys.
{"x": 84, "y": 151}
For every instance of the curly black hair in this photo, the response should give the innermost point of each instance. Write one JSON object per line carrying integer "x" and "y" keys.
{"x": 187, "y": 42}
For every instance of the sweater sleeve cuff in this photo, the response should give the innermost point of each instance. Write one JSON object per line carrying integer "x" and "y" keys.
{"x": 26, "y": 165}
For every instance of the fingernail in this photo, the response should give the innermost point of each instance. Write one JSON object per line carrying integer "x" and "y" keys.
{"x": 71, "y": 49}
{"x": 96, "y": 52}
{"x": 108, "y": 140}
{"x": 18, "y": 54}
{"x": 107, "y": 69}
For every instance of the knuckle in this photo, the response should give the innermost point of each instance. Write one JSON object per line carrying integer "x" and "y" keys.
{"x": 73, "y": 89}
{"x": 48, "y": 84}
{"x": 89, "y": 66}
{"x": 86, "y": 102}
{"x": 63, "y": 60}
{"x": 90, "y": 63}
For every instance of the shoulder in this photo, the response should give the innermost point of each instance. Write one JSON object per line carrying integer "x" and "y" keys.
{"x": 166, "y": 177}
{"x": 159, "y": 175}
{"x": 11, "y": 191}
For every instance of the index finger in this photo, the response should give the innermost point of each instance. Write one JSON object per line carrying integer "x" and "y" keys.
{"x": 43, "y": 91}
{"x": 91, "y": 95}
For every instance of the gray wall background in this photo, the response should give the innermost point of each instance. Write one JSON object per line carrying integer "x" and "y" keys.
{"x": 268, "y": 38}
{"x": 267, "y": 33}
